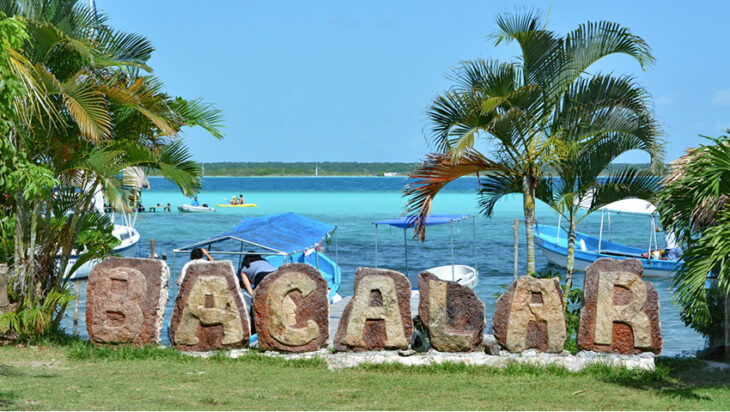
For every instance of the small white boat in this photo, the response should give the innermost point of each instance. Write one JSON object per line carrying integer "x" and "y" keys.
{"x": 127, "y": 235}
{"x": 462, "y": 274}
{"x": 195, "y": 209}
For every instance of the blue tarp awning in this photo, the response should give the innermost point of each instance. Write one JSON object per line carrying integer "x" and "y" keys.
{"x": 285, "y": 233}
{"x": 410, "y": 221}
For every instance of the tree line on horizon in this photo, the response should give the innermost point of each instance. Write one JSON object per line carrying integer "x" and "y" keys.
{"x": 341, "y": 168}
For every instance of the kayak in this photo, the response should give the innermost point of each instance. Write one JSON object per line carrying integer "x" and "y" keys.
{"x": 243, "y": 205}
{"x": 194, "y": 209}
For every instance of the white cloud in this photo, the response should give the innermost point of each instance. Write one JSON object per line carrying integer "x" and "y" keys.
{"x": 721, "y": 98}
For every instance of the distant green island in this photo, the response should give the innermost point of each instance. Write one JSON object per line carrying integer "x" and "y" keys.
{"x": 307, "y": 169}
{"x": 330, "y": 168}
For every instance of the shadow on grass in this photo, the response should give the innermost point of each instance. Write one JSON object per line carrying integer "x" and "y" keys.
{"x": 682, "y": 378}
{"x": 7, "y": 399}
{"x": 7, "y": 371}
{"x": 85, "y": 351}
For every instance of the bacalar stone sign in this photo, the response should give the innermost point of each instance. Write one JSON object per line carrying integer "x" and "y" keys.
{"x": 453, "y": 314}
{"x": 379, "y": 314}
{"x": 620, "y": 310}
{"x": 209, "y": 311}
{"x": 126, "y": 300}
{"x": 291, "y": 309}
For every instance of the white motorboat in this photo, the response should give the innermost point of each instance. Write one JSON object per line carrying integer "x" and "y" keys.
{"x": 195, "y": 209}
{"x": 127, "y": 235}
{"x": 462, "y": 274}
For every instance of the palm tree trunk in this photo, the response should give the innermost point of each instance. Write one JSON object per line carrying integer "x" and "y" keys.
{"x": 570, "y": 260}
{"x": 528, "y": 202}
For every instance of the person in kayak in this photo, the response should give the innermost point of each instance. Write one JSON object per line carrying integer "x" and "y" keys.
{"x": 254, "y": 269}
{"x": 240, "y": 199}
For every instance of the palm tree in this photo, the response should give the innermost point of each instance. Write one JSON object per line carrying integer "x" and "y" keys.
{"x": 579, "y": 185}
{"x": 524, "y": 111}
{"x": 89, "y": 112}
{"x": 695, "y": 205}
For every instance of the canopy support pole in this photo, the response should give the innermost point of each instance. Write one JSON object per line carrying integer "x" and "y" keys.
{"x": 609, "y": 227}
{"x": 337, "y": 254}
{"x": 648, "y": 255}
{"x": 476, "y": 260}
{"x": 600, "y": 234}
{"x": 405, "y": 248}
{"x": 376, "y": 246}
{"x": 560, "y": 219}
{"x": 451, "y": 230}
{"x": 240, "y": 256}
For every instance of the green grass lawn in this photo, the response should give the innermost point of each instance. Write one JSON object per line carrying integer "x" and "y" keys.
{"x": 78, "y": 376}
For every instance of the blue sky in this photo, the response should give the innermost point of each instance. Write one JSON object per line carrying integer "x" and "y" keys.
{"x": 350, "y": 81}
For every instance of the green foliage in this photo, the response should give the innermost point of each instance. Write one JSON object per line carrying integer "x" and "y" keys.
{"x": 77, "y": 108}
{"x": 694, "y": 205}
{"x": 31, "y": 319}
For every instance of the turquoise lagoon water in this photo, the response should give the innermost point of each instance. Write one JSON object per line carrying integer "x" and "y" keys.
{"x": 353, "y": 203}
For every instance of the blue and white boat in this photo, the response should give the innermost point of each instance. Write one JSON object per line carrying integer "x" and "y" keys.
{"x": 554, "y": 242}
{"x": 280, "y": 239}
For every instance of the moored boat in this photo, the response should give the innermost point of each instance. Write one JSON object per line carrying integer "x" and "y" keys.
{"x": 128, "y": 237}
{"x": 195, "y": 209}
{"x": 280, "y": 239}
{"x": 553, "y": 242}
{"x": 243, "y": 205}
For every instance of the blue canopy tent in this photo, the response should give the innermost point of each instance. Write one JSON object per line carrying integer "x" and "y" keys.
{"x": 285, "y": 238}
{"x": 405, "y": 222}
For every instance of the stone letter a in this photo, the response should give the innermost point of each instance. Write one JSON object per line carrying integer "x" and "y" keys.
{"x": 530, "y": 315}
{"x": 379, "y": 314}
{"x": 209, "y": 310}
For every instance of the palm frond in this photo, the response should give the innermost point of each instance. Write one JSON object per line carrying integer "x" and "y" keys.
{"x": 88, "y": 107}
{"x": 629, "y": 182}
{"x": 436, "y": 172}
{"x": 197, "y": 112}
{"x": 494, "y": 187}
